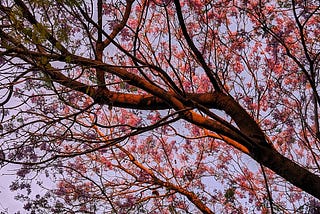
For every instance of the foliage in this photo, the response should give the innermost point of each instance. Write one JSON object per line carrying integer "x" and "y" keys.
{"x": 161, "y": 106}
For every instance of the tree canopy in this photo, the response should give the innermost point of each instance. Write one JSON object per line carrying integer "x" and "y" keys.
{"x": 161, "y": 106}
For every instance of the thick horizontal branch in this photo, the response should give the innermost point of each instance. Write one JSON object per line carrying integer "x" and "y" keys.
{"x": 150, "y": 102}
{"x": 155, "y": 97}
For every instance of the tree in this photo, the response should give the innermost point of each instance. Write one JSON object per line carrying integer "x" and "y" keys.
{"x": 162, "y": 106}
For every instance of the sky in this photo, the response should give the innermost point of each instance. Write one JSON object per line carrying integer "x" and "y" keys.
{"x": 7, "y": 202}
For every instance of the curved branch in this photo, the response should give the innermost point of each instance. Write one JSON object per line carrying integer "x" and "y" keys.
{"x": 213, "y": 78}
{"x": 121, "y": 25}
{"x": 190, "y": 195}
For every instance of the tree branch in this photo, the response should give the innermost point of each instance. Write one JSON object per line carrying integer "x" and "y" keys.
{"x": 213, "y": 78}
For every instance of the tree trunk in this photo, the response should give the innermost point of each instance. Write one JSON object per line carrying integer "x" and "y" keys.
{"x": 289, "y": 170}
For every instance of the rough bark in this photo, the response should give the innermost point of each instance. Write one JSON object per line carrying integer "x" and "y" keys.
{"x": 289, "y": 170}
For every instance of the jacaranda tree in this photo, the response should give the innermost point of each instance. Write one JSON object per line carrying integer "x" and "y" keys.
{"x": 161, "y": 106}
